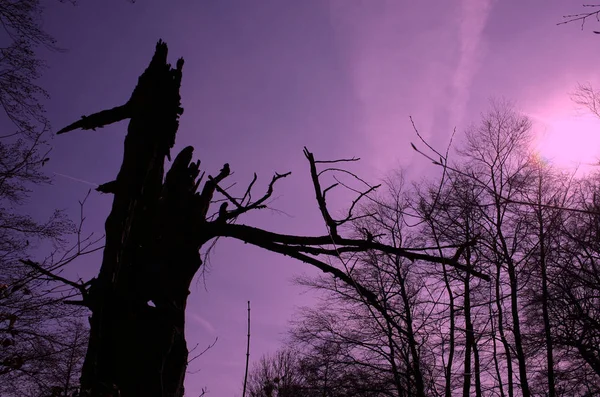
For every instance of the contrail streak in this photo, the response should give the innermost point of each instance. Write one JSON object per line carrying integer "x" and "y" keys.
{"x": 76, "y": 179}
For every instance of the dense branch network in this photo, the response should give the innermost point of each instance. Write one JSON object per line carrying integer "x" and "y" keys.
{"x": 299, "y": 247}
{"x": 183, "y": 178}
{"x": 159, "y": 223}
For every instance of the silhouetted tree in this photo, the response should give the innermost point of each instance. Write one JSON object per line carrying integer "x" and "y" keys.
{"x": 517, "y": 314}
{"x": 575, "y": 283}
{"x": 450, "y": 211}
{"x": 586, "y": 96}
{"x": 155, "y": 230}
{"x": 527, "y": 220}
{"x": 41, "y": 336}
{"x": 389, "y": 350}
{"x": 36, "y": 331}
{"x": 277, "y": 375}
{"x": 496, "y": 154}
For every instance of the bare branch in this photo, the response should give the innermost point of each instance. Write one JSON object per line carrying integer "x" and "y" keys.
{"x": 329, "y": 222}
{"x": 349, "y": 217}
{"x": 583, "y": 16}
{"x": 258, "y": 204}
{"x": 248, "y": 194}
{"x": 290, "y": 245}
{"x": 52, "y": 276}
{"x": 207, "y": 348}
{"x": 337, "y": 161}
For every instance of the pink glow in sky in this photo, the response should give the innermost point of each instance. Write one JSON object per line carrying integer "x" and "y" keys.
{"x": 570, "y": 141}
{"x": 263, "y": 78}
{"x": 568, "y": 136}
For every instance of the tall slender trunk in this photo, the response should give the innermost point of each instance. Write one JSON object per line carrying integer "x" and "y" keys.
{"x": 412, "y": 342}
{"x": 469, "y": 337}
{"x": 495, "y": 351}
{"x": 452, "y": 313}
{"x": 477, "y": 366}
{"x": 514, "y": 288}
{"x": 468, "y": 343}
{"x": 451, "y": 342}
{"x": 392, "y": 358}
{"x": 545, "y": 315}
{"x": 547, "y": 328}
{"x": 514, "y": 303}
{"x": 500, "y": 310}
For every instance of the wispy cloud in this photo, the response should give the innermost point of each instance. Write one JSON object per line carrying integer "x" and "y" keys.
{"x": 474, "y": 15}
{"x": 204, "y": 323}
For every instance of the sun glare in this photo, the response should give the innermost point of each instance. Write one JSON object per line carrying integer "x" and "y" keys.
{"x": 569, "y": 141}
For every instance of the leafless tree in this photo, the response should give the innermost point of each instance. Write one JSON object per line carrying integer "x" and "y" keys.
{"x": 52, "y": 367}
{"x": 496, "y": 156}
{"x": 160, "y": 220}
{"x": 531, "y": 328}
{"x": 531, "y": 225}
{"x": 43, "y": 339}
{"x": 493, "y": 165}
{"x": 277, "y": 375}
{"x": 575, "y": 284}
{"x": 586, "y": 96}
{"x": 387, "y": 345}
{"x": 451, "y": 212}
{"x": 40, "y": 336}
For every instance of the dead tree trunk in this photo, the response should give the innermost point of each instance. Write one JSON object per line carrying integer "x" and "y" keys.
{"x": 154, "y": 233}
{"x": 137, "y": 348}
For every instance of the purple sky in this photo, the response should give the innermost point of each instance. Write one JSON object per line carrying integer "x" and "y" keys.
{"x": 264, "y": 78}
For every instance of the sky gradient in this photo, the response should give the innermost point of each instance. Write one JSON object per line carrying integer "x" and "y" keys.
{"x": 264, "y": 78}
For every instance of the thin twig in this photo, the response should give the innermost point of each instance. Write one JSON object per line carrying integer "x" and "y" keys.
{"x": 247, "y": 353}
{"x": 210, "y": 346}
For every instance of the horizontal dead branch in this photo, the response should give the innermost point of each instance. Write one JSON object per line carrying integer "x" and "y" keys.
{"x": 314, "y": 245}
{"x": 80, "y": 287}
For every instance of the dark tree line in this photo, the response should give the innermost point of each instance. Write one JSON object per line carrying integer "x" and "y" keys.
{"x": 532, "y": 329}
{"x": 42, "y": 340}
